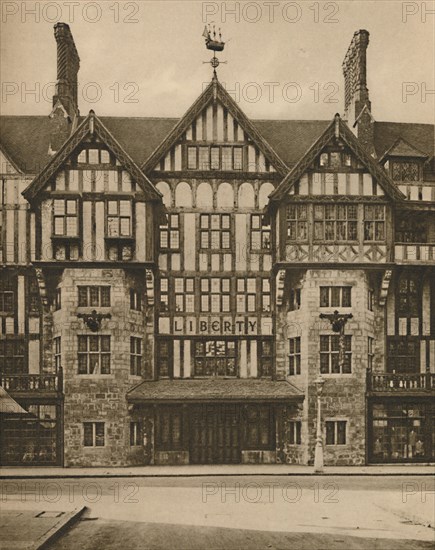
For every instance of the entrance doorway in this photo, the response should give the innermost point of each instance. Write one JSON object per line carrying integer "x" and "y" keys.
{"x": 215, "y": 434}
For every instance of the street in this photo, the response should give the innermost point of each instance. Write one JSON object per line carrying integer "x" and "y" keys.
{"x": 229, "y": 512}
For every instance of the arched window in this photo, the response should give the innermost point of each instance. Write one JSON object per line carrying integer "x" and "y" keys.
{"x": 225, "y": 196}
{"x": 246, "y": 196}
{"x": 165, "y": 190}
{"x": 204, "y": 195}
{"x": 183, "y": 195}
{"x": 265, "y": 190}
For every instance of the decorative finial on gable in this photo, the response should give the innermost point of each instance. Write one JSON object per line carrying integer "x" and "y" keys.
{"x": 91, "y": 121}
{"x": 337, "y": 125}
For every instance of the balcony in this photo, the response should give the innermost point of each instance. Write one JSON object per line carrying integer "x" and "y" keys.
{"x": 419, "y": 383}
{"x": 32, "y": 385}
{"x": 414, "y": 252}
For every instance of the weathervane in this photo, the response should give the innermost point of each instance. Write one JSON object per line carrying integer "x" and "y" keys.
{"x": 212, "y": 43}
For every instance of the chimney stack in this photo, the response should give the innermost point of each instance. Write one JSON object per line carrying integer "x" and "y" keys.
{"x": 357, "y": 105}
{"x": 65, "y": 105}
{"x": 68, "y": 63}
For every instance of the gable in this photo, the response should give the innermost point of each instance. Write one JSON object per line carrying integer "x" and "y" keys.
{"x": 403, "y": 148}
{"x": 213, "y": 135}
{"x": 362, "y": 177}
{"x": 336, "y": 170}
{"x": 91, "y": 160}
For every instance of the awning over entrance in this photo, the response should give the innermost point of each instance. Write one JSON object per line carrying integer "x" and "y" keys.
{"x": 195, "y": 391}
{"x": 9, "y": 405}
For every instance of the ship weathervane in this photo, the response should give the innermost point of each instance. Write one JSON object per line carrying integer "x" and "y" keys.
{"x": 213, "y": 41}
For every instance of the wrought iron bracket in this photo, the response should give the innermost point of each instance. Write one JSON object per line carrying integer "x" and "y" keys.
{"x": 93, "y": 320}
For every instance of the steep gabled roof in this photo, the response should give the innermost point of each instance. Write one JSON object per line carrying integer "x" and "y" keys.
{"x": 215, "y": 92}
{"x": 420, "y": 136}
{"x": 91, "y": 125}
{"x": 337, "y": 128}
{"x": 26, "y": 139}
{"x": 402, "y": 148}
{"x": 6, "y": 158}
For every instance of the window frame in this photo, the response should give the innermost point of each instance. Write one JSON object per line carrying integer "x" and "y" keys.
{"x": 17, "y": 362}
{"x": 295, "y": 432}
{"x": 120, "y": 217}
{"x": 103, "y": 294}
{"x": 398, "y": 170}
{"x": 327, "y": 223}
{"x": 210, "y": 356}
{"x": 294, "y": 356}
{"x": 3, "y": 309}
{"x": 184, "y": 295}
{"x": 168, "y": 357}
{"x": 297, "y": 217}
{"x": 331, "y": 292}
{"x": 212, "y": 238}
{"x": 98, "y": 353}
{"x": 136, "y": 431}
{"x": 370, "y": 352}
{"x": 246, "y": 296}
{"x": 173, "y": 235}
{"x": 65, "y": 216}
{"x": 262, "y": 231}
{"x": 334, "y": 352}
{"x": 204, "y": 158}
{"x": 265, "y": 358}
{"x": 337, "y": 427}
{"x": 266, "y": 302}
{"x": 94, "y": 434}
{"x": 135, "y": 299}
{"x": 212, "y": 295}
{"x": 372, "y": 224}
{"x": 135, "y": 356}
{"x": 57, "y": 353}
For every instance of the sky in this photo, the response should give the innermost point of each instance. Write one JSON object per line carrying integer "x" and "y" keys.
{"x": 146, "y": 58}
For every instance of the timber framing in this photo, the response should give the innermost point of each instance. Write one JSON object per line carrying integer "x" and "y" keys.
{"x": 339, "y": 130}
{"x": 214, "y": 92}
{"x": 93, "y": 126}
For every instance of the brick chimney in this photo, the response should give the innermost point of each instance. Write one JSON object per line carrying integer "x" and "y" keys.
{"x": 68, "y": 63}
{"x": 65, "y": 105}
{"x": 357, "y": 105}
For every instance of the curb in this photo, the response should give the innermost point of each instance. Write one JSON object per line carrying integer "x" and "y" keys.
{"x": 211, "y": 474}
{"x": 59, "y": 529}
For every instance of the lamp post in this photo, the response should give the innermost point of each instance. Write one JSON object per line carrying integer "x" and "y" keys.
{"x": 318, "y": 451}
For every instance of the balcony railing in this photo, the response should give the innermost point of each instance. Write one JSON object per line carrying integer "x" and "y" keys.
{"x": 401, "y": 383}
{"x": 28, "y": 383}
{"x": 414, "y": 252}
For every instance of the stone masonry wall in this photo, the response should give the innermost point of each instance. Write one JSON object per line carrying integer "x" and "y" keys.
{"x": 343, "y": 394}
{"x": 100, "y": 398}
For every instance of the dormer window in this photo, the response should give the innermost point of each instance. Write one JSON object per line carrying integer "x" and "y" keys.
{"x": 405, "y": 171}
{"x": 65, "y": 218}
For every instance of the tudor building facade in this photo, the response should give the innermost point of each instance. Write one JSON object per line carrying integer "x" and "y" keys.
{"x": 162, "y": 283}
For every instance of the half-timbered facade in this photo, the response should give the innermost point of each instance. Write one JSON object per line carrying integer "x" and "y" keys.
{"x": 168, "y": 286}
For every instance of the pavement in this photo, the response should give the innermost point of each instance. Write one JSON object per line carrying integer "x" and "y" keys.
{"x": 207, "y": 470}
{"x": 224, "y": 511}
{"x": 22, "y": 529}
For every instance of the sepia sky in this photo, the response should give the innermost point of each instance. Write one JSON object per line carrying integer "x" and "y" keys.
{"x": 284, "y": 58}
